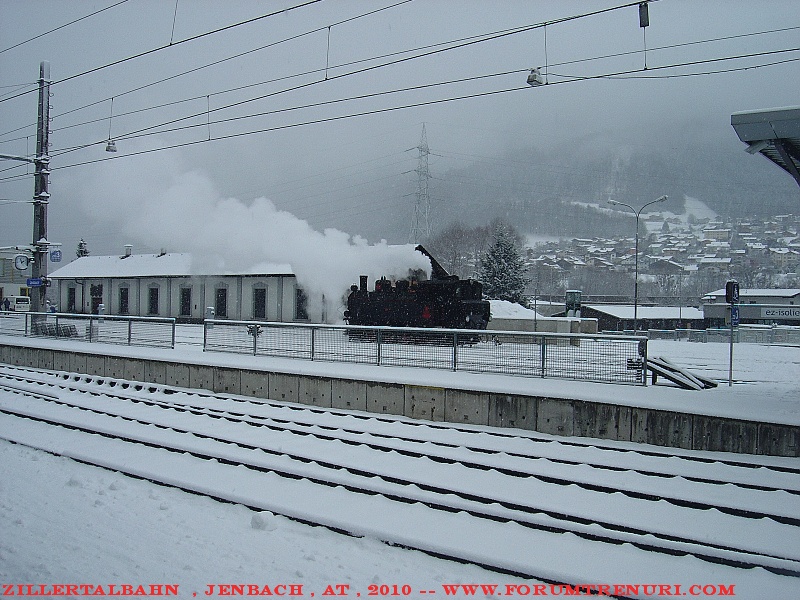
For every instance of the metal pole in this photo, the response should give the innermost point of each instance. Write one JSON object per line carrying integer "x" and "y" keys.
{"x": 41, "y": 195}
{"x": 636, "y": 279}
{"x": 730, "y": 358}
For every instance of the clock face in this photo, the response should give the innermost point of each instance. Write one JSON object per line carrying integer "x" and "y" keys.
{"x": 21, "y": 262}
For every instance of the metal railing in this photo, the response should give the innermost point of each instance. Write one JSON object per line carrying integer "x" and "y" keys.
{"x": 603, "y": 358}
{"x": 157, "y": 332}
{"x": 743, "y": 335}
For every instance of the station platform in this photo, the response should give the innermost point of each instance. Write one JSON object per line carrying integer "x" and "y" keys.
{"x": 745, "y": 418}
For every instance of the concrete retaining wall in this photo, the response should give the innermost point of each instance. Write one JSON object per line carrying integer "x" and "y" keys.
{"x": 547, "y": 415}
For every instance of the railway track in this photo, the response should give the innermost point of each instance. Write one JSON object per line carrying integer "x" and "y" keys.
{"x": 349, "y": 472}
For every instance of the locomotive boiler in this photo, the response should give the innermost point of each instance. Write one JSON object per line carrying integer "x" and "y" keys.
{"x": 444, "y": 300}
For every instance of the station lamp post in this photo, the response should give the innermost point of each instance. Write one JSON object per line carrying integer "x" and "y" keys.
{"x": 636, "y": 213}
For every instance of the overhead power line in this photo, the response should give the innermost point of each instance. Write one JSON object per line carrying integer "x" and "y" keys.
{"x": 395, "y": 108}
{"x": 36, "y": 37}
{"x": 172, "y": 44}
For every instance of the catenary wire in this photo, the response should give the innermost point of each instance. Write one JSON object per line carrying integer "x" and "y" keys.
{"x": 36, "y": 37}
{"x": 173, "y": 44}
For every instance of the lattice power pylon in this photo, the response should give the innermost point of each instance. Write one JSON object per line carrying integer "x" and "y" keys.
{"x": 420, "y": 222}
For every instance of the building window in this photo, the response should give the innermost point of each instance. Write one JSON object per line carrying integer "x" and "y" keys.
{"x": 152, "y": 301}
{"x": 260, "y": 303}
{"x": 300, "y": 305}
{"x": 221, "y": 304}
{"x": 186, "y": 302}
{"x": 124, "y": 307}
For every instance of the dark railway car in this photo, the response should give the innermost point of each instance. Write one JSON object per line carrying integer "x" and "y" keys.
{"x": 442, "y": 301}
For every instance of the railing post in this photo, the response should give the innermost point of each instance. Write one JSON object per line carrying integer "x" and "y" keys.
{"x": 455, "y": 351}
{"x": 644, "y": 363}
{"x": 130, "y": 332}
{"x": 26, "y": 324}
{"x": 543, "y": 354}
{"x": 378, "y": 340}
{"x": 205, "y": 334}
{"x": 173, "y": 333}
{"x": 255, "y": 339}
{"x": 313, "y": 341}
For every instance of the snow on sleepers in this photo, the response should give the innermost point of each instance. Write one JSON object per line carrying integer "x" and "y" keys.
{"x": 509, "y": 547}
{"x": 711, "y": 527}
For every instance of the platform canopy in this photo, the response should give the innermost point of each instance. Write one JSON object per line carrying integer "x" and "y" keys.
{"x": 774, "y": 133}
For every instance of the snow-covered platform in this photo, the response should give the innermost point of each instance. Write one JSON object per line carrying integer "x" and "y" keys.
{"x": 759, "y": 414}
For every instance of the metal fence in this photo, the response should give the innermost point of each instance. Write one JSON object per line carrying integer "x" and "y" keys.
{"x": 744, "y": 335}
{"x": 603, "y": 358}
{"x": 157, "y": 332}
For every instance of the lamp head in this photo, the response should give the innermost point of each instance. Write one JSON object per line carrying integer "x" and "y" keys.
{"x": 111, "y": 146}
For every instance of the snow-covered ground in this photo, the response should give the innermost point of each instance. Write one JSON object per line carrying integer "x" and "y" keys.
{"x": 62, "y": 522}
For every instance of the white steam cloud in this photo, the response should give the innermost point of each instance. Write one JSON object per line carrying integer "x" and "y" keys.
{"x": 154, "y": 201}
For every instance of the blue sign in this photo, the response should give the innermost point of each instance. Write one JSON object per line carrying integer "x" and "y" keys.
{"x": 34, "y": 282}
{"x": 735, "y": 315}
{"x": 55, "y": 255}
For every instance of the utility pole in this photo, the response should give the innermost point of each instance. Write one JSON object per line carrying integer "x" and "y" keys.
{"x": 41, "y": 195}
{"x": 420, "y": 223}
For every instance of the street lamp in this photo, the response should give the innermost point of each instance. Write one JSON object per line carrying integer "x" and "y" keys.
{"x": 636, "y": 257}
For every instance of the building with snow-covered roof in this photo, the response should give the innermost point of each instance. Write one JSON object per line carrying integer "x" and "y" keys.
{"x": 756, "y": 306}
{"x": 619, "y": 317}
{"x": 177, "y": 285}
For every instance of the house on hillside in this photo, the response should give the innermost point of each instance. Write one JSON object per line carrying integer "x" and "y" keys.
{"x": 175, "y": 285}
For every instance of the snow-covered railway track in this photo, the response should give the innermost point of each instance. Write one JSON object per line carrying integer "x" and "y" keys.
{"x": 511, "y": 454}
{"x": 137, "y": 422}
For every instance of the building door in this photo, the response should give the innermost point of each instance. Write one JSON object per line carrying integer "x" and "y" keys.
{"x": 71, "y": 299}
{"x": 96, "y": 293}
{"x": 186, "y": 302}
{"x": 124, "y": 307}
{"x": 260, "y": 303}
{"x": 221, "y": 304}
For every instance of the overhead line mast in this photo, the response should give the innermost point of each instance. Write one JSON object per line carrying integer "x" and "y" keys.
{"x": 420, "y": 222}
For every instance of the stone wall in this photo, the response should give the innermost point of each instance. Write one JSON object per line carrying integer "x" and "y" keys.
{"x": 477, "y": 407}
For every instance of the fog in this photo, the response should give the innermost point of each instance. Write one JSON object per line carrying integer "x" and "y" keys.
{"x": 230, "y": 182}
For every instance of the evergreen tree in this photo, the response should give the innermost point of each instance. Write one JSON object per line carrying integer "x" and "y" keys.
{"x": 502, "y": 269}
{"x": 83, "y": 249}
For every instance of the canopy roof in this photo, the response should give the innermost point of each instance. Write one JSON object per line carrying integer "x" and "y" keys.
{"x": 773, "y": 133}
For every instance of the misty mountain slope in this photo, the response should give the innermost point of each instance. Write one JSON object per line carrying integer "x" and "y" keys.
{"x": 558, "y": 192}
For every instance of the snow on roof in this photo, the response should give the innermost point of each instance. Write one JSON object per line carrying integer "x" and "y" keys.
{"x": 775, "y": 293}
{"x": 503, "y": 309}
{"x": 156, "y": 265}
{"x": 625, "y": 311}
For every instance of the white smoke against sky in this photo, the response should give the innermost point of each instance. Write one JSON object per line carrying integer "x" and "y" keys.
{"x": 155, "y": 201}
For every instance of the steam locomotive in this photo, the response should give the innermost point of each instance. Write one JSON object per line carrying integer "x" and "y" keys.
{"x": 442, "y": 301}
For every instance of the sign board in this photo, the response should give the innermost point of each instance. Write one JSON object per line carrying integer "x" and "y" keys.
{"x": 732, "y": 292}
{"x": 735, "y": 315}
{"x": 34, "y": 282}
{"x": 55, "y": 256}
{"x": 783, "y": 312}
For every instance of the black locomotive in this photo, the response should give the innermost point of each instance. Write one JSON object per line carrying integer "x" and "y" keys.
{"x": 444, "y": 300}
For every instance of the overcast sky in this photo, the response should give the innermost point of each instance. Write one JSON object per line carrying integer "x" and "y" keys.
{"x": 299, "y": 158}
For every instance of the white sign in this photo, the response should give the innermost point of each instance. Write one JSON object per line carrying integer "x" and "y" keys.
{"x": 788, "y": 312}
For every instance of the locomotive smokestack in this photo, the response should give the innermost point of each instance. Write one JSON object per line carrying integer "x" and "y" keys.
{"x": 362, "y": 283}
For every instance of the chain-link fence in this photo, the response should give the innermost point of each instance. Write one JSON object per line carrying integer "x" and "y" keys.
{"x": 131, "y": 331}
{"x": 613, "y": 359}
